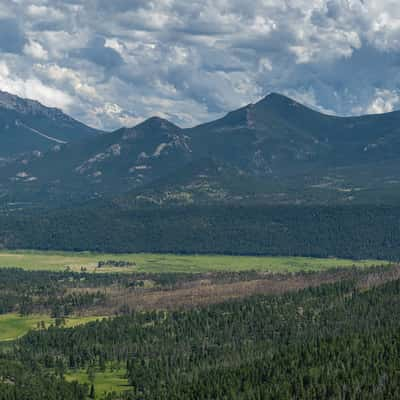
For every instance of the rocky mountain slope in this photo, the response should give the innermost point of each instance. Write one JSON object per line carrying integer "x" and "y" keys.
{"x": 27, "y": 126}
{"x": 274, "y": 151}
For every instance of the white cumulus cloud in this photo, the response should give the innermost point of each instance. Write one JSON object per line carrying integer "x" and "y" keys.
{"x": 113, "y": 63}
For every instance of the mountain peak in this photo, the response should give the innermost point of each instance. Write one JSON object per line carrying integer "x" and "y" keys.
{"x": 276, "y": 95}
{"x": 157, "y": 123}
{"x": 277, "y": 98}
{"x": 283, "y": 104}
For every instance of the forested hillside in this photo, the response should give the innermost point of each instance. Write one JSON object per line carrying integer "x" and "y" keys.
{"x": 349, "y": 232}
{"x": 334, "y": 341}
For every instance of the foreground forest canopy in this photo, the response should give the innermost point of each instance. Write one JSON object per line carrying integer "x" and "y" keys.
{"x": 331, "y": 340}
{"x": 356, "y": 232}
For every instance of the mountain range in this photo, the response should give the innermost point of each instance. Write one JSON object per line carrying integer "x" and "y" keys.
{"x": 276, "y": 151}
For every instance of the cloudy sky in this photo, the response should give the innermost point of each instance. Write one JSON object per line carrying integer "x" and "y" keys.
{"x": 115, "y": 62}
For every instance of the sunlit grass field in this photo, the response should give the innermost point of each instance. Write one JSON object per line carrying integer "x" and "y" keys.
{"x": 103, "y": 382}
{"x": 13, "y": 326}
{"x": 147, "y": 262}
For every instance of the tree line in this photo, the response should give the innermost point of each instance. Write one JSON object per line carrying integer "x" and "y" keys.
{"x": 343, "y": 231}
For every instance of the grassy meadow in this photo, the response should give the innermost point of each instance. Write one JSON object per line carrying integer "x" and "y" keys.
{"x": 107, "y": 381}
{"x": 156, "y": 263}
{"x": 13, "y": 326}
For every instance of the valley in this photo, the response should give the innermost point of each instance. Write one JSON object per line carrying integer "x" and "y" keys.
{"x": 169, "y": 263}
{"x": 199, "y": 200}
{"x": 227, "y": 260}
